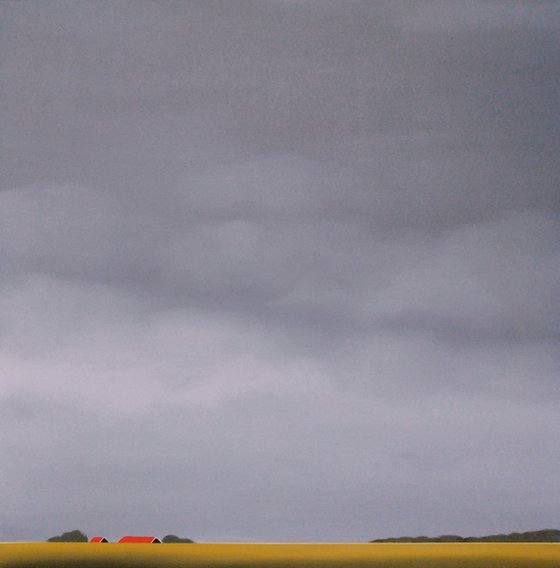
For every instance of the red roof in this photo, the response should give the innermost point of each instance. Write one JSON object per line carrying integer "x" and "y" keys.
{"x": 140, "y": 539}
{"x": 99, "y": 539}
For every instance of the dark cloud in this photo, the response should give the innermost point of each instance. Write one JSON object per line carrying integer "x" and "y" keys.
{"x": 279, "y": 270}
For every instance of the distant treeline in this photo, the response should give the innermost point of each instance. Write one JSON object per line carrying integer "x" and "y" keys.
{"x": 79, "y": 536}
{"x": 546, "y": 535}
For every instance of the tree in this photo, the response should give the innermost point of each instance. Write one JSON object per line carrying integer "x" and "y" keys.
{"x": 70, "y": 536}
{"x": 172, "y": 539}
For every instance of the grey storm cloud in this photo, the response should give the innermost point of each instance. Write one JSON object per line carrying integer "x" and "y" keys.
{"x": 279, "y": 270}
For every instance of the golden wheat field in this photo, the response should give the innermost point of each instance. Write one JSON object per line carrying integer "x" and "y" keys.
{"x": 438, "y": 555}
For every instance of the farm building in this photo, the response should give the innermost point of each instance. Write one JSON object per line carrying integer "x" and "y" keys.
{"x": 140, "y": 539}
{"x": 98, "y": 539}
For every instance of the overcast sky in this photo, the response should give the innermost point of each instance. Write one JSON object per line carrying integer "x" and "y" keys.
{"x": 279, "y": 270}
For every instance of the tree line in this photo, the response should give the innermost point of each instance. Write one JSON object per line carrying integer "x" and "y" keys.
{"x": 79, "y": 536}
{"x": 545, "y": 535}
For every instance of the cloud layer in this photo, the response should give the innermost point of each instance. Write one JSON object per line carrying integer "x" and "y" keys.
{"x": 279, "y": 271}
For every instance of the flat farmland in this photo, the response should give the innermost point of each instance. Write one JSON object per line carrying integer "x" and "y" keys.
{"x": 425, "y": 555}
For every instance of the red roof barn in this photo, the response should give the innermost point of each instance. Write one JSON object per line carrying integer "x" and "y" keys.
{"x": 99, "y": 539}
{"x": 140, "y": 539}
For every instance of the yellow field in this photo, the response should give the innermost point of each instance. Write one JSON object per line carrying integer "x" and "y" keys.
{"x": 386, "y": 555}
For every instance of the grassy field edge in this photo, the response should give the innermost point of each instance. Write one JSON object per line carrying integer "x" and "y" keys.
{"x": 343, "y": 555}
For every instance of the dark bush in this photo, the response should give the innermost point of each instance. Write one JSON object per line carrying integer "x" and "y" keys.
{"x": 70, "y": 536}
{"x": 173, "y": 539}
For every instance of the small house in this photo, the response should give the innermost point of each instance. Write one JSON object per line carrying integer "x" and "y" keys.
{"x": 140, "y": 540}
{"x": 98, "y": 539}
